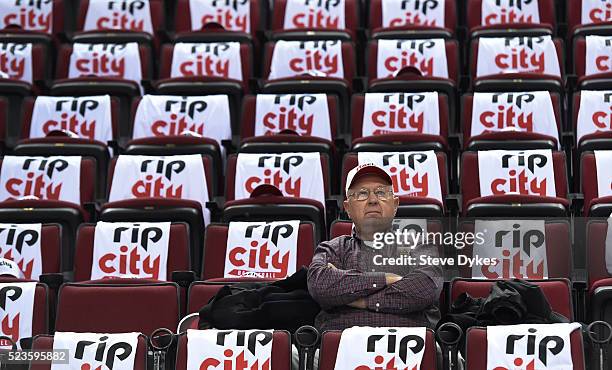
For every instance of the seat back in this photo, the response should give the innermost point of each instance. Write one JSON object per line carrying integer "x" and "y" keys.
{"x": 590, "y": 110}
{"x": 587, "y": 12}
{"x": 592, "y": 55}
{"x": 29, "y": 303}
{"x": 45, "y": 17}
{"x": 24, "y": 62}
{"x": 95, "y": 15}
{"x": 476, "y": 349}
{"x": 471, "y": 189}
{"x": 54, "y": 178}
{"x": 145, "y": 252}
{"x": 217, "y": 257}
{"x": 280, "y": 355}
{"x": 398, "y": 115}
{"x": 395, "y": 15}
{"x": 330, "y": 341}
{"x": 512, "y": 118}
{"x": 249, "y": 17}
{"x": 298, "y": 15}
{"x": 118, "y": 306}
{"x": 522, "y": 260}
{"x": 45, "y": 343}
{"x": 491, "y": 13}
{"x": 293, "y": 60}
{"x": 306, "y": 114}
{"x": 433, "y": 58}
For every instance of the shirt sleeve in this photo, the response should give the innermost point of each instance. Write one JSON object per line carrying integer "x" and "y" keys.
{"x": 417, "y": 290}
{"x": 333, "y": 287}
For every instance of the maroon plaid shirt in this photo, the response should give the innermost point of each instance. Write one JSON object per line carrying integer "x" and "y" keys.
{"x": 412, "y": 301}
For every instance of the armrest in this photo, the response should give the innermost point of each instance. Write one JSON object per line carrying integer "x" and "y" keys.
{"x": 183, "y": 278}
{"x": 576, "y": 202}
{"x": 53, "y": 280}
{"x": 453, "y": 203}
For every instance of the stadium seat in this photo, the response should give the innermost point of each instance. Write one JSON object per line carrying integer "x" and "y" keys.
{"x": 19, "y": 305}
{"x": 530, "y": 120}
{"x": 590, "y": 122}
{"x": 281, "y": 350}
{"x": 520, "y": 261}
{"x": 557, "y": 291}
{"x": 93, "y": 119}
{"x": 22, "y": 244}
{"x": 173, "y": 202}
{"x": 596, "y": 183}
{"x": 327, "y": 67}
{"x": 45, "y": 343}
{"x": 496, "y": 18}
{"x": 299, "y": 20}
{"x": 177, "y": 258}
{"x": 118, "y": 306}
{"x": 588, "y": 17}
{"x": 290, "y": 123}
{"x": 425, "y": 20}
{"x": 476, "y": 349}
{"x": 110, "y": 22}
{"x": 202, "y": 21}
{"x": 519, "y": 191}
{"x": 397, "y": 122}
{"x": 330, "y": 341}
{"x": 247, "y": 200}
{"x": 517, "y": 64}
{"x": 215, "y": 250}
{"x": 415, "y": 184}
{"x": 592, "y": 62}
{"x": 35, "y": 22}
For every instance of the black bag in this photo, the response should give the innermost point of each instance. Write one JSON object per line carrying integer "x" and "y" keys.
{"x": 282, "y": 305}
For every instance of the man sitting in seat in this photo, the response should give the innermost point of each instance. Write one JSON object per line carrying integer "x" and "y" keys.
{"x": 347, "y": 279}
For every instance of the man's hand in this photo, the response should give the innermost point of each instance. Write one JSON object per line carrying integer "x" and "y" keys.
{"x": 392, "y": 278}
{"x": 360, "y": 303}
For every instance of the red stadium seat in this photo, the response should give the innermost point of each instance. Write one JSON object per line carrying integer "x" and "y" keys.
{"x": 281, "y": 350}
{"x": 118, "y": 306}
{"x": 42, "y": 302}
{"x": 406, "y": 126}
{"x": 558, "y": 252}
{"x": 51, "y": 253}
{"x": 509, "y": 76}
{"x": 513, "y": 19}
{"x": 220, "y": 21}
{"x": 119, "y": 24}
{"x": 315, "y": 21}
{"x": 503, "y": 204}
{"x": 295, "y": 125}
{"x": 595, "y": 73}
{"x": 412, "y": 203}
{"x": 595, "y": 205}
{"x": 215, "y": 249}
{"x": 477, "y": 354}
{"x": 511, "y": 121}
{"x": 44, "y": 23}
{"x": 557, "y": 292}
{"x": 426, "y": 20}
{"x": 586, "y": 17}
{"x": 592, "y": 130}
{"x": 178, "y": 251}
{"x": 45, "y": 343}
{"x": 331, "y": 340}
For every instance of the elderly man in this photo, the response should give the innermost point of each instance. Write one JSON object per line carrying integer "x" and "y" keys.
{"x": 350, "y": 287}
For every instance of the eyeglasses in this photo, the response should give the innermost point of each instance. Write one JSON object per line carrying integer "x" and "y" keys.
{"x": 364, "y": 194}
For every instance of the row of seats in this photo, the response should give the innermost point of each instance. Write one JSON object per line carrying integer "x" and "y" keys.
{"x": 287, "y": 17}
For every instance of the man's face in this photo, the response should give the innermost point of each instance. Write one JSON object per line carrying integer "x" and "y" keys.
{"x": 372, "y": 214}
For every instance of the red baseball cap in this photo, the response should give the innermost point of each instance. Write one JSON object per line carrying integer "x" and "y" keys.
{"x": 366, "y": 169}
